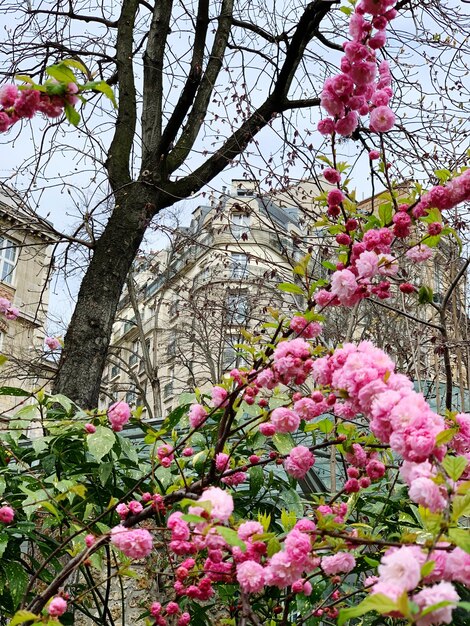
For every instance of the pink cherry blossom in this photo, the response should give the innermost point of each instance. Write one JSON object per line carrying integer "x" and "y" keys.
{"x": 402, "y": 567}
{"x": 339, "y": 563}
{"x": 251, "y": 576}
{"x": 382, "y": 119}
{"x": 119, "y": 414}
{"x": 299, "y": 461}
{"x": 419, "y": 253}
{"x": 197, "y": 415}
{"x": 57, "y": 606}
{"x": 221, "y": 501}
{"x": 441, "y": 592}
{"x": 219, "y": 396}
{"x": 285, "y": 420}
{"x": 135, "y": 543}
{"x": 7, "y": 514}
{"x": 427, "y": 493}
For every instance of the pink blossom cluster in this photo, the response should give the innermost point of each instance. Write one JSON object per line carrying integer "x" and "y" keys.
{"x": 444, "y": 197}
{"x": 338, "y": 510}
{"x": 339, "y": 563}
{"x": 165, "y": 454}
{"x": 285, "y": 567}
{"x": 197, "y": 415}
{"x": 355, "y": 90}
{"x": 364, "y": 375}
{"x": 7, "y": 514}
{"x": 365, "y": 468}
{"x": 26, "y": 102}
{"x": 299, "y": 461}
{"x": 233, "y": 478}
{"x": 400, "y": 572}
{"x": 132, "y": 508}
{"x": 251, "y": 567}
{"x": 371, "y": 265}
{"x": 134, "y": 543}
{"x": 52, "y": 343}
{"x": 8, "y": 310}
{"x": 308, "y": 330}
{"x": 119, "y": 414}
{"x": 57, "y": 606}
{"x": 160, "y": 614}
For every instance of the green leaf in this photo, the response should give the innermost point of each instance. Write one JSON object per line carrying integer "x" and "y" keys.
{"x": 434, "y": 607}
{"x": 288, "y": 519}
{"x": 61, "y": 73}
{"x": 432, "y": 240}
{"x": 127, "y": 447}
{"x": 273, "y": 546}
{"x": 425, "y": 295}
{"x": 265, "y": 520}
{"x": 433, "y": 215}
{"x": 3, "y": 485}
{"x": 325, "y": 426}
{"x": 3, "y": 359}
{"x": 103, "y": 87}
{"x": 256, "y": 479}
{"x": 461, "y": 507}
{"x": 193, "y": 519}
{"x": 13, "y": 391}
{"x": 329, "y": 265}
{"x": 64, "y": 402}
{"x": 101, "y": 442}
{"x": 385, "y": 213}
{"x": 461, "y": 538}
{"x": 443, "y": 175}
{"x": 291, "y": 499}
{"x": 231, "y": 537}
{"x": 445, "y": 436}
{"x": 427, "y": 568}
{"x": 17, "y": 580}
{"x": 75, "y": 64}
{"x": 454, "y": 466}
{"x": 291, "y": 288}
{"x": 283, "y": 442}
{"x": 22, "y": 616}
{"x": 104, "y": 472}
{"x": 3, "y": 544}
{"x": 24, "y": 78}
{"x": 377, "y": 602}
{"x": 72, "y": 115}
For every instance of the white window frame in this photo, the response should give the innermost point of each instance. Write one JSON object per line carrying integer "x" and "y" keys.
{"x": 240, "y": 224}
{"x": 239, "y": 265}
{"x": 7, "y": 247}
{"x": 237, "y": 308}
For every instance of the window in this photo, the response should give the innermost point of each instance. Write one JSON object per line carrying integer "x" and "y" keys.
{"x": 240, "y": 224}
{"x": 239, "y": 266}
{"x": 232, "y": 356}
{"x": 128, "y": 324}
{"x": 134, "y": 355}
{"x": 172, "y": 344}
{"x": 131, "y": 397}
{"x": 237, "y": 308}
{"x": 168, "y": 388}
{"x": 114, "y": 371}
{"x": 8, "y": 258}
{"x": 173, "y": 309}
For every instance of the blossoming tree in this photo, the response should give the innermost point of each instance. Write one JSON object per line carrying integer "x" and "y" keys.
{"x": 219, "y": 504}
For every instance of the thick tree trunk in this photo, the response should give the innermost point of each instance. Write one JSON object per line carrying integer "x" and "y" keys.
{"x": 89, "y": 333}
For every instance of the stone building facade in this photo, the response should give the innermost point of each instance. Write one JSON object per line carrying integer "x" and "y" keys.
{"x": 25, "y": 255}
